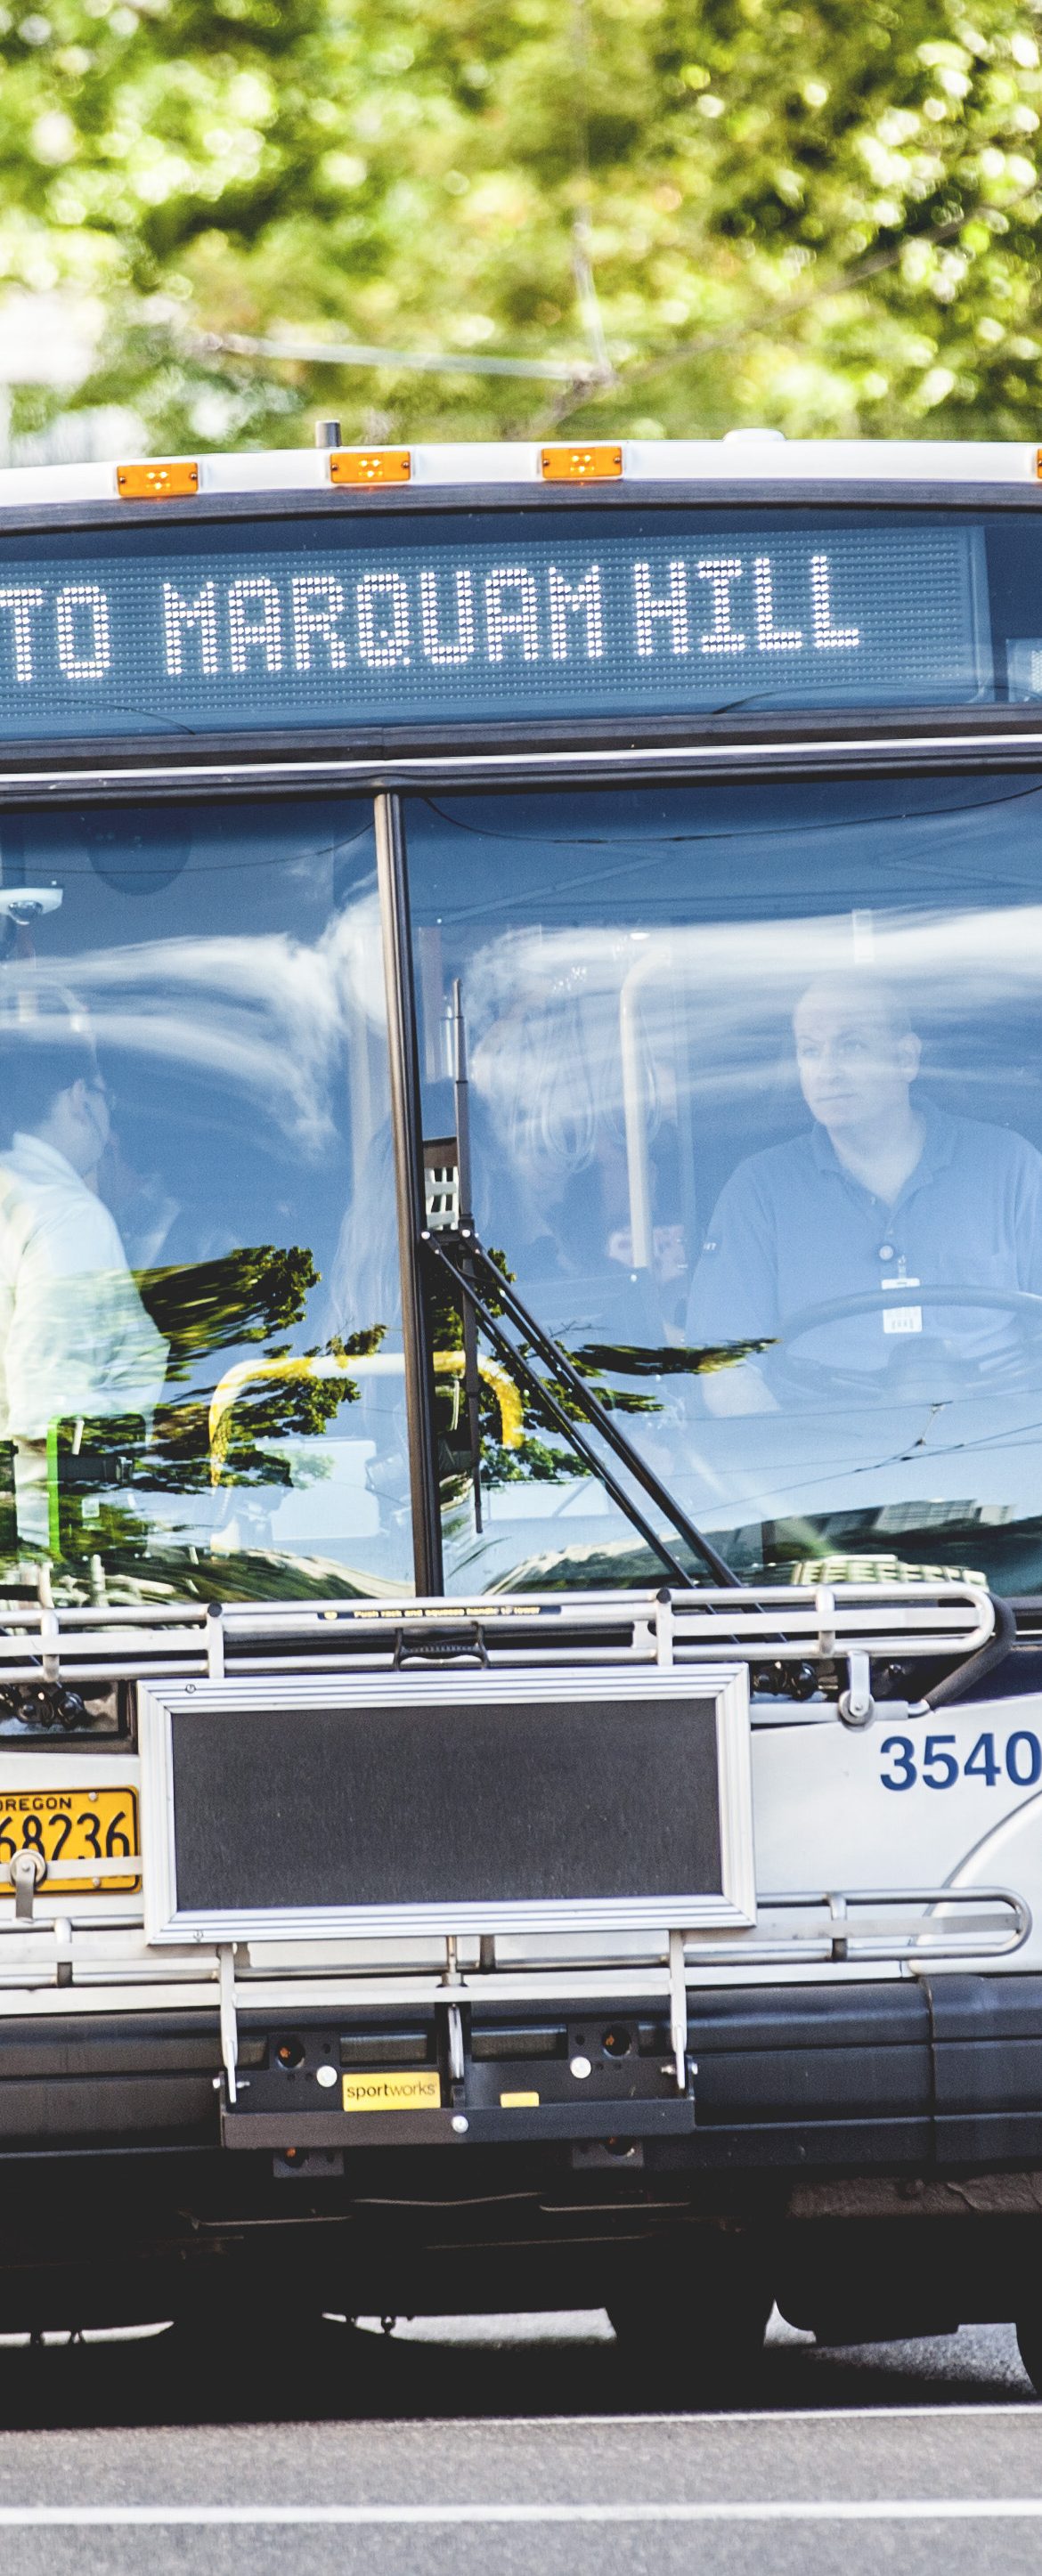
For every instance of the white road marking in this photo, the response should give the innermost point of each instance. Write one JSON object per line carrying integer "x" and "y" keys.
{"x": 895, "y": 2413}
{"x": 94, "y": 2517}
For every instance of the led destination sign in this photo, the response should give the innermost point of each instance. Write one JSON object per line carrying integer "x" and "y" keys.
{"x": 431, "y": 621}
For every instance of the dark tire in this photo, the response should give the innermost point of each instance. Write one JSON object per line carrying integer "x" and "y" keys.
{"x": 243, "y": 2335}
{"x": 692, "y": 2334}
{"x": 1029, "y": 2346}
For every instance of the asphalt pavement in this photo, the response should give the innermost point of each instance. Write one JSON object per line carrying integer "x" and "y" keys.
{"x": 513, "y": 2445}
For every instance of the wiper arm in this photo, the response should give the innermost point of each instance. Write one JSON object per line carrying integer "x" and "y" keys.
{"x": 596, "y": 1414}
{"x": 474, "y": 1260}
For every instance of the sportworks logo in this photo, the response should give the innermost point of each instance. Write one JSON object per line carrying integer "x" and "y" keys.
{"x": 411, "y": 2090}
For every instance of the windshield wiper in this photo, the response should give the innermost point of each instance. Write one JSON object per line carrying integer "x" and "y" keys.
{"x": 469, "y": 1245}
{"x": 473, "y": 1263}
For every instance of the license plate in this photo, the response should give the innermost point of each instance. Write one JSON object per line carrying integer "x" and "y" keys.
{"x": 82, "y": 1833}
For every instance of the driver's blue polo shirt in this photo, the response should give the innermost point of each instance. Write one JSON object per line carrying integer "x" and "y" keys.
{"x": 792, "y": 1229}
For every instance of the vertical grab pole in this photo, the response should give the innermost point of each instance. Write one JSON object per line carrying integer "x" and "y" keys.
{"x": 471, "y": 1381}
{"x": 406, "y": 1126}
{"x": 635, "y": 1112}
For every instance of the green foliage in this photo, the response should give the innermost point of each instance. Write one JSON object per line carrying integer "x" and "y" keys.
{"x": 178, "y": 1460}
{"x": 533, "y": 1462}
{"x": 97, "y": 1467}
{"x": 822, "y": 217}
{"x": 636, "y": 1360}
{"x": 242, "y": 1296}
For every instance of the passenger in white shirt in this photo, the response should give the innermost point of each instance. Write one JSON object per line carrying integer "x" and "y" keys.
{"x": 75, "y": 1339}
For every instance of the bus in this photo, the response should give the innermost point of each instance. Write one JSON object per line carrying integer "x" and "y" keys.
{"x": 521, "y": 1389}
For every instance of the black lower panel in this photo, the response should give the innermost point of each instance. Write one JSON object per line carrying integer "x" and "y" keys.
{"x": 928, "y": 2075}
{"x": 111, "y": 2079}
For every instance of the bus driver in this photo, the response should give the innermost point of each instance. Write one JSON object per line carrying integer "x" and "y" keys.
{"x": 883, "y": 1191}
{"x": 75, "y": 1338}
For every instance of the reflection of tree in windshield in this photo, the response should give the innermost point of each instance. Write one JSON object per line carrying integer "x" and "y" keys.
{"x": 630, "y": 1359}
{"x": 245, "y": 1297}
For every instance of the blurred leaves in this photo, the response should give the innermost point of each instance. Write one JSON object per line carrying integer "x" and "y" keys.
{"x": 822, "y": 218}
{"x": 242, "y": 1296}
{"x": 239, "y": 1298}
{"x": 636, "y": 1360}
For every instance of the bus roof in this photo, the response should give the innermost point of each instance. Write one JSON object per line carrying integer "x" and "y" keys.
{"x": 753, "y": 455}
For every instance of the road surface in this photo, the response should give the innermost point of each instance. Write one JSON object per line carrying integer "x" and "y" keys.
{"x": 514, "y": 2446}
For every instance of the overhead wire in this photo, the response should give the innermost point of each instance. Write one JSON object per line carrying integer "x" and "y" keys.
{"x": 351, "y": 353}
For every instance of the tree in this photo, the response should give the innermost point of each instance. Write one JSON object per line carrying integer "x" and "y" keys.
{"x": 204, "y": 1309}
{"x": 819, "y": 217}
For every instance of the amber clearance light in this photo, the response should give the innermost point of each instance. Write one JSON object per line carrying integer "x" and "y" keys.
{"x": 580, "y": 464}
{"x": 370, "y": 465}
{"x": 169, "y": 482}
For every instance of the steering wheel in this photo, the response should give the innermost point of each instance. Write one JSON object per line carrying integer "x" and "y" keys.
{"x": 817, "y": 1377}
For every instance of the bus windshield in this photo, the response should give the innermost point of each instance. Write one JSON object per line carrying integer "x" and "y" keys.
{"x": 756, "y": 1092}
{"x": 200, "y": 1380}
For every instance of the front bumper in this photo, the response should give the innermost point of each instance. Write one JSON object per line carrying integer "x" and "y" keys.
{"x": 923, "y": 2075}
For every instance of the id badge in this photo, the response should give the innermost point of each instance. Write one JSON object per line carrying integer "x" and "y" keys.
{"x": 901, "y": 1319}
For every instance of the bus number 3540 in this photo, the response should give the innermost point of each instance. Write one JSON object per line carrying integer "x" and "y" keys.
{"x": 934, "y": 1761}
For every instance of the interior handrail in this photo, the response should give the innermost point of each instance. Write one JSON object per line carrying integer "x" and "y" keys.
{"x": 326, "y": 1364}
